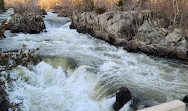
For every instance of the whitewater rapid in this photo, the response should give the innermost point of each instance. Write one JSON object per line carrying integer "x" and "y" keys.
{"x": 81, "y": 73}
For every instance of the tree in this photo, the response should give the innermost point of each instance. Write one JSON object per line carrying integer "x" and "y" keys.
{"x": 176, "y": 10}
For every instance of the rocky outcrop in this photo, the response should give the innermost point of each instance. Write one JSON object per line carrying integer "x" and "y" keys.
{"x": 135, "y": 31}
{"x": 122, "y": 97}
{"x": 27, "y": 23}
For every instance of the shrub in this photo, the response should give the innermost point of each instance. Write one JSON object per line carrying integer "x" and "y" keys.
{"x": 85, "y": 5}
{"x": 25, "y": 7}
{"x": 24, "y": 57}
{"x": 65, "y": 8}
{"x": 100, "y": 10}
{"x": 126, "y": 5}
{"x": 108, "y": 4}
{"x": 120, "y": 3}
{"x": 88, "y": 5}
{"x": 64, "y": 5}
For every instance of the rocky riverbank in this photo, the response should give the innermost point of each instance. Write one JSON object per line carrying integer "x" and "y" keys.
{"x": 136, "y": 31}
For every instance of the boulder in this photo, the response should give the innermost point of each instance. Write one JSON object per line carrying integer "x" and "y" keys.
{"x": 135, "y": 31}
{"x": 122, "y": 97}
{"x": 27, "y": 23}
{"x": 185, "y": 99}
{"x": 43, "y": 12}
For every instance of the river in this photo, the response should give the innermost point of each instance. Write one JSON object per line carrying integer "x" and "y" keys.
{"x": 81, "y": 73}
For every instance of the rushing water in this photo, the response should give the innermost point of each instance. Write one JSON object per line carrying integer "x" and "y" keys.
{"x": 81, "y": 73}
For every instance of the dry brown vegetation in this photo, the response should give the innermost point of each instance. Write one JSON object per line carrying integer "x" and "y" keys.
{"x": 24, "y": 57}
{"x": 65, "y": 8}
{"x": 25, "y": 7}
{"x": 174, "y": 11}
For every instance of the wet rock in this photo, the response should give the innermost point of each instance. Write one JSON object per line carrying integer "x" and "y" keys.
{"x": 27, "y": 23}
{"x": 135, "y": 31}
{"x": 54, "y": 12}
{"x": 122, "y": 97}
{"x": 45, "y": 30}
{"x": 43, "y": 12}
{"x": 185, "y": 99}
{"x": 4, "y": 104}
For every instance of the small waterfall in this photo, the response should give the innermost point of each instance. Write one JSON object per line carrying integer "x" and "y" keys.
{"x": 81, "y": 73}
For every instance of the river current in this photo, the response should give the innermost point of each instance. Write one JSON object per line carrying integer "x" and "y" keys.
{"x": 81, "y": 73}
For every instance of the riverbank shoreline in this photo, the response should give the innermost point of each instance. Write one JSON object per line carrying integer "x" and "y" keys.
{"x": 136, "y": 31}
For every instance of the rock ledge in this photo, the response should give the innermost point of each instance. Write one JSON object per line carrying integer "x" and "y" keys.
{"x": 135, "y": 31}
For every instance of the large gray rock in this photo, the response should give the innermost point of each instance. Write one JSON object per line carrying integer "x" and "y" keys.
{"x": 159, "y": 41}
{"x": 135, "y": 31}
{"x": 110, "y": 25}
{"x": 27, "y": 23}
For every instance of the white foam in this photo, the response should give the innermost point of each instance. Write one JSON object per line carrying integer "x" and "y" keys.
{"x": 47, "y": 89}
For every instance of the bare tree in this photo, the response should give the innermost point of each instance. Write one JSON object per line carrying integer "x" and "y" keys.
{"x": 176, "y": 10}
